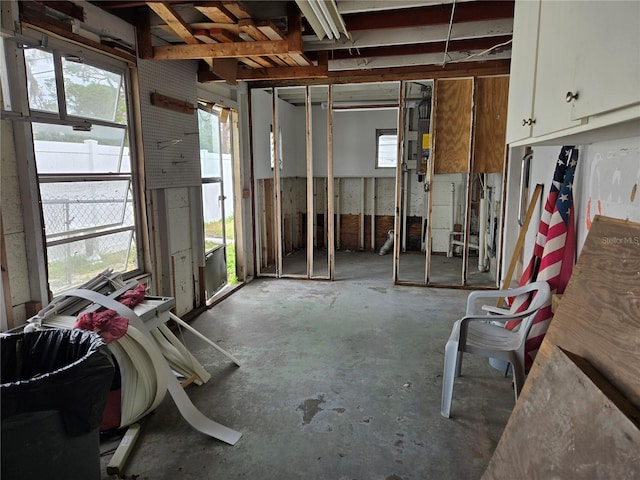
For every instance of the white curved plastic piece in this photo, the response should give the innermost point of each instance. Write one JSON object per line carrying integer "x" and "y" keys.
{"x": 188, "y": 411}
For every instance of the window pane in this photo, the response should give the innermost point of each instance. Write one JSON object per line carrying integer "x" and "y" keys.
{"x": 212, "y": 212}
{"x": 41, "y": 80}
{"x": 60, "y": 149}
{"x": 387, "y": 150}
{"x": 85, "y": 207}
{"x": 76, "y": 262}
{"x": 92, "y": 92}
{"x": 208, "y": 125}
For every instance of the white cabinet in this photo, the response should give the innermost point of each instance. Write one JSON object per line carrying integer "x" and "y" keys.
{"x": 575, "y": 68}
{"x": 606, "y": 73}
{"x": 523, "y": 70}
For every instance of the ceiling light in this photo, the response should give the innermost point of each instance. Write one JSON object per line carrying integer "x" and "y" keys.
{"x": 324, "y": 18}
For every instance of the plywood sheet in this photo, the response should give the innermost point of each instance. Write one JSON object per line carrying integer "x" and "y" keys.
{"x": 573, "y": 425}
{"x": 599, "y": 315}
{"x": 492, "y": 94}
{"x": 597, "y": 319}
{"x": 452, "y": 125}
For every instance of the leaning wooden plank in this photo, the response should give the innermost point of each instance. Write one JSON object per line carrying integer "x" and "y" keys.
{"x": 573, "y": 424}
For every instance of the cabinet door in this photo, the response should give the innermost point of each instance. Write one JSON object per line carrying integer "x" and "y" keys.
{"x": 556, "y": 60}
{"x": 523, "y": 70}
{"x": 605, "y": 39}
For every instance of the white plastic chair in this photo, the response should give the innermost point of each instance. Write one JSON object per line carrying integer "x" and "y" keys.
{"x": 474, "y": 333}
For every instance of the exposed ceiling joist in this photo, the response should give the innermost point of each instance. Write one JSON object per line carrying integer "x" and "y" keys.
{"x": 222, "y": 50}
{"x": 264, "y": 41}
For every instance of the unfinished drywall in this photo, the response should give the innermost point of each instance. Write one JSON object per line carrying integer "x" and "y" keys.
{"x": 172, "y": 171}
{"x": 13, "y": 232}
{"x": 354, "y": 141}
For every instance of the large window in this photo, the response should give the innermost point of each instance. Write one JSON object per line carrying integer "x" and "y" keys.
{"x": 79, "y": 120}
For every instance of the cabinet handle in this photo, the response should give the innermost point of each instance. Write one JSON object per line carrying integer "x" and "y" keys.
{"x": 528, "y": 121}
{"x": 571, "y": 96}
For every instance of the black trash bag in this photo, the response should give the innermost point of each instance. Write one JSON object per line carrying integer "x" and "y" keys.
{"x": 68, "y": 371}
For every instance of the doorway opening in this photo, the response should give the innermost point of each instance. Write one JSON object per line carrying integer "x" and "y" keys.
{"x": 216, "y": 131}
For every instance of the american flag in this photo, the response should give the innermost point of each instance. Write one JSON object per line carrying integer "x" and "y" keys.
{"x": 554, "y": 250}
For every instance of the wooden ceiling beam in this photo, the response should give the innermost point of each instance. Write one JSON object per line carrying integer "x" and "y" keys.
{"x": 238, "y": 9}
{"x": 221, "y": 50}
{"x": 264, "y": 74}
{"x": 171, "y": 18}
{"x": 422, "y": 72}
{"x": 215, "y": 11}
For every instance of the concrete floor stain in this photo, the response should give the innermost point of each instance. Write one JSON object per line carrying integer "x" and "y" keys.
{"x": 310, "y": 408}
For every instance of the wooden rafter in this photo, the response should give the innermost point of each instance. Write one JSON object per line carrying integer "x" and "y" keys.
{"x": 238, "y": 9}
{"x": 222, "y": 50}
{"x": 181, "y": 29}
{"x": 216, "y": 12}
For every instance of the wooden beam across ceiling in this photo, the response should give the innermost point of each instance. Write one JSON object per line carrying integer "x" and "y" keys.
{"x": 221, "y": 50}
{"x": 173, "y": 20}
{"x": 422, "y": 72}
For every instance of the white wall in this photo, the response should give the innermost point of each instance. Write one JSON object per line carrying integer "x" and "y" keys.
{"x": 292, "y": 128}
{"x": 354, "y": 142}
{"x": 354, "y": 139}
{"x": 607, "y": 175}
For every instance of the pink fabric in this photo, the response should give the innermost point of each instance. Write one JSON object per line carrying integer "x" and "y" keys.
{"x": 106, "y": 323}
{"x": 133, "y": 297}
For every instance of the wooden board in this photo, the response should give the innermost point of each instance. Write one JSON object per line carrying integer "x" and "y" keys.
{"x": 573, "y": 425}
{"x": 491, "y": 96}
{"x": 452, "y": 125}
{"x": 597, "y": 319}
{"x": 599, "y": 316}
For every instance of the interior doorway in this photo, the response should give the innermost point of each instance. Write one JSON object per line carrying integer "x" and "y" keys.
{"x": 216, "y": 131}
{"x": 450, "y": 182}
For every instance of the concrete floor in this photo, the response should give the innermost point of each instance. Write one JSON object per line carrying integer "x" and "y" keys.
{"x": 339, "y": 380}
{"x": 412, "y": 266}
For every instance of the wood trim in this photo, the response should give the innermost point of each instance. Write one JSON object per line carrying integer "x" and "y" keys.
{"x": 169, "y": 103}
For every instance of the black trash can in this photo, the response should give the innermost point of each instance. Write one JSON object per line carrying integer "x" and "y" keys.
{"x": 54, "y": 386}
